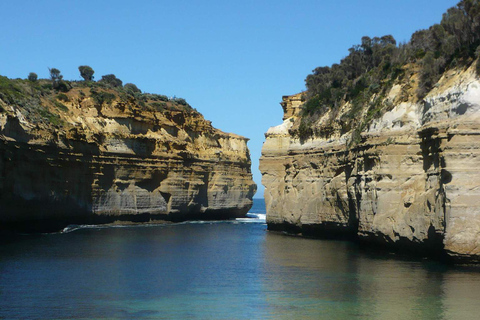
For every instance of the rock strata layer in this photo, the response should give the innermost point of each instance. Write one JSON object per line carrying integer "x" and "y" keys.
{"x": 117, "y": 161}
{"x": 412, "y": 182}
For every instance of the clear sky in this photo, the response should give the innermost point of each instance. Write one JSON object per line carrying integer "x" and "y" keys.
{"x": 231, "y": 60}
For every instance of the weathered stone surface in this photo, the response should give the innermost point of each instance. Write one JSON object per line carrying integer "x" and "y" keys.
{"x": 413, "y": 181}
{"x": 117, "y": 162}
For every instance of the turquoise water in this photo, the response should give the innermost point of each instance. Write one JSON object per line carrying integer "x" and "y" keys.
{"x": 221, "y": 270}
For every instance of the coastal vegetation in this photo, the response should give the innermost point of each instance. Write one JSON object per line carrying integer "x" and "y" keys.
{"x": 32, "y": 76}
{"x": 42, "y": 99}
{"x": 363, "y": 78}
{"x": 86, "y": 72}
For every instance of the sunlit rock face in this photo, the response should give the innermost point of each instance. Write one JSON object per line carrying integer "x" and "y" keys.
{"x": 116, "y": 161}
{"x": 413, "y": 182}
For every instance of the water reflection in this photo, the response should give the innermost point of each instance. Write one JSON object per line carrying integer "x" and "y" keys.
{"x": 222, "y": 271}
{"x": 316, "y": 279}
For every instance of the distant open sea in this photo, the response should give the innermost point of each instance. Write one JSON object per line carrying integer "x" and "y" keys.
{"x": 221, "y": 270}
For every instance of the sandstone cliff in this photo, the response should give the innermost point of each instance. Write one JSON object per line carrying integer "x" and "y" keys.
{"x": 96, "y": 154}
{"x": 412, "y": 180}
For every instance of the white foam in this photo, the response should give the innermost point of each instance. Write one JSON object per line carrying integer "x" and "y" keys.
{"x": 261, "y": 216}
{"x": 74, "y": 227}
{"x": 253, "y": 218}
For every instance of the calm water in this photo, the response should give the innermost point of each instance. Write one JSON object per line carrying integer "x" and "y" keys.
{"x": 227, "y": 270}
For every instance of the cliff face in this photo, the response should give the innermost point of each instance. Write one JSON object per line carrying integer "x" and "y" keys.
{"x": 412, "y": 181}
{"x": 93, "y": 161}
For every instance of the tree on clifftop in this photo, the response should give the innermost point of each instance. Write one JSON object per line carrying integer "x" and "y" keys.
{"x": 112, "y": 80}
{"x": 57, "y": 80}
{"x": 32, "y": 76}
{"x": 55, "y": 74}
{"x": 86, "y": 73}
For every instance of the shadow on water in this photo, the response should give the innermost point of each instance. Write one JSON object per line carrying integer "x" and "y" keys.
{"x": 339, "y": 281}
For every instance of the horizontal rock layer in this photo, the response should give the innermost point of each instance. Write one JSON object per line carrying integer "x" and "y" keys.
{"x": 116, "y": 162}
{"x": 413, "y": 181}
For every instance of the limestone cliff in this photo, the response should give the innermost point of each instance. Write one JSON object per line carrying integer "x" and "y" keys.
{"x": 412, "y": 180}
{"x": 97, "y": 154}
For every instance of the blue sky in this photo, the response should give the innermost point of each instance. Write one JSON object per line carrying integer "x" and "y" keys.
{"x": 231, "y": 60}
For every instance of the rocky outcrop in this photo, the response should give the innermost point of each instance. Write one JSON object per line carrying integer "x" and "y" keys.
{"x": 411, "y": 182}
{"x": 96, "y": 162}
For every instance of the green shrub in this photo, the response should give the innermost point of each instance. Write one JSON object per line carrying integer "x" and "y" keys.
{"x": 131, "y": 88}
{"x": 86, "y": 73}
{"x": 63, "y": 97}
{"x": 158, "y": 106}
{"x": 111, "y": 80}
{"x": 305, "y": 129}
{"x": 46, "y": 87}
{"x": 102, "y": 97}
{"x": 180, "y": 101}
{"x": 52, "y": 118}
{"x": 55, "y": 74}
{"x": 32, "y": 76}
{"x": 161, "y": 97}
{"x": 60, "y": 106}
{"x": 62, "y": 86}
{"x": 10, "y": 91}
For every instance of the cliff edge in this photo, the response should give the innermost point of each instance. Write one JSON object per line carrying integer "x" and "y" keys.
{"x": 96, "y": 154}
{"x": 411, "y": 182}
{"x": 384, "y": 146}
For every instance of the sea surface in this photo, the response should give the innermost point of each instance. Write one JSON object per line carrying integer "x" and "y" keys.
{"x": 221, "y": 270}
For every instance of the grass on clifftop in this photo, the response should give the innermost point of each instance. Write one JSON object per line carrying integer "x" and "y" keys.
{"x": 41, "y": 100}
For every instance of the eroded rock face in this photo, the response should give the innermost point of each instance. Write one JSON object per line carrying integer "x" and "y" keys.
{"x": 114, "y": 161}
{"x": 413, "y": 181}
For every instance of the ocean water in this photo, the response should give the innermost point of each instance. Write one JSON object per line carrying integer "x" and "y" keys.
{"x": 221, "y": 270}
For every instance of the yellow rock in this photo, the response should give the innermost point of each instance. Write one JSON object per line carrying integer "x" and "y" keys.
{"x": 117, "y": 161}
{"x": 412, "y": 182}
